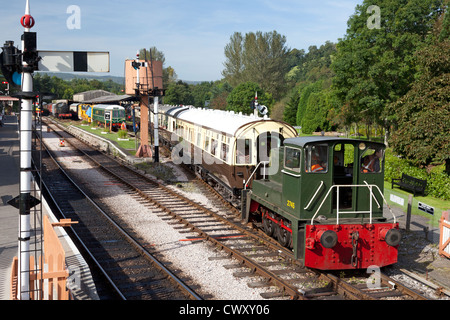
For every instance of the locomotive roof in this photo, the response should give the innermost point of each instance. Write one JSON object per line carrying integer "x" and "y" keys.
{"x": 108, "y": 106}
{"x": 220, "y": 120}
{"x": 302, "y": 141}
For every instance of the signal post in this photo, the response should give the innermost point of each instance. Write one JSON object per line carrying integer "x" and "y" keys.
{"x": 144, "y": 80}
{"x": 17, "y": 67}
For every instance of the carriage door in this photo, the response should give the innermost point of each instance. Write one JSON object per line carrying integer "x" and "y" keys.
{"x": 343, "y": 174}
{"x": 266, "y": 142}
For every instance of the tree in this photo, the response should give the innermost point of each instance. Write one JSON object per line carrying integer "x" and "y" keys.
{"x": 179, "y": 93}
{"x": 305, "y": 93}
{"x": 422, "y": 116}
{"x": 290, "y": 111}
{"x": 219, "y": 94}
{"x": 234, "y": 66}
{"x": 201, "y": 93}
{"x": 258, "y": 57}
{"x": 317, "y": 116}
{"x": 169, "y": 74}
{"x": 309, "y": 68}
{"x": 152, "y": 54}
{"x": 376, "y": 66}
{"x": 239, "y": 100}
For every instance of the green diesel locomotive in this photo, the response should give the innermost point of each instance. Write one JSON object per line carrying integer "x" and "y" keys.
{"x": 323, "y": 197}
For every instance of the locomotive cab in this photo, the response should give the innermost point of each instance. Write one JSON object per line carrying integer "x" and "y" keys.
{"x": 319, "y": 193}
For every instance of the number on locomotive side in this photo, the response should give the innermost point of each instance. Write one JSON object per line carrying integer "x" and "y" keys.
{"x": 291, "y": 204}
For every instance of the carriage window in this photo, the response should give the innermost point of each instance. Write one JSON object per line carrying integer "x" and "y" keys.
{"x": 225, "y": 149}
{"x": 207, "y": 144}
{"x": 316, "y": 159}
{"x": 371, "y": 160}
{"x": 292, "y": 159}
{"x": 243, "y": 151}
{"x": 213, "y": 147}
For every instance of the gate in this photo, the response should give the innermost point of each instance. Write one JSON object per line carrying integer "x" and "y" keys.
{"x": 48, "y": 274}
{"x": 444, "y": 240}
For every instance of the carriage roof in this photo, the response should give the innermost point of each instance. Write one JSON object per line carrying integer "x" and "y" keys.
{"x": 228, "y": 122}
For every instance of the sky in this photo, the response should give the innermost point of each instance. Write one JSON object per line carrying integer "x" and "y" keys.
{"x": 191, "y": 34}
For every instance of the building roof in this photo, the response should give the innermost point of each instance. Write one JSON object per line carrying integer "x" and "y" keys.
{"x": 8, "y": 98}
{"x": 99, "y": 96}
{"x": 89, "y": 95}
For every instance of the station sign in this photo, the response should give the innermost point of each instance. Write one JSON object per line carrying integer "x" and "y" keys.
{"x": 397, "y": 199}
{"x": 107, "y": 115}
{"x": 426, "y": 208}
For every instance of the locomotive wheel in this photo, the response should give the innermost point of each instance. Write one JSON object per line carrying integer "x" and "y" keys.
{"x": 268, "y": 226}
{"x": 284, "y": 237}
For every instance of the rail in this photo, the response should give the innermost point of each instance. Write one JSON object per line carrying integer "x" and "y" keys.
{"x": 254, "y": 171}
{"x": 365, "y": 185}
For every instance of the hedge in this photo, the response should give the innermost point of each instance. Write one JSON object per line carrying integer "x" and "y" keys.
{"x": 438, "y": 182}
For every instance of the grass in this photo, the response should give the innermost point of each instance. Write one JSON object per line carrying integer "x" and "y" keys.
{"x": 158, "y": 170}
{"x": 113, "y": 136}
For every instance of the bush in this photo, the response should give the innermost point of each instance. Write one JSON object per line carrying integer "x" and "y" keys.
{"x": 123, "y": 134}
{"x": 438, "y": 182}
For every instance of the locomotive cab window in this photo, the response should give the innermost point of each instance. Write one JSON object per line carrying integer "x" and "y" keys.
{"x": 343, "y": 158}
{"x": 292, "y": 158}
{"x": 316, "y": 158}
{"x": 372, "y": 160}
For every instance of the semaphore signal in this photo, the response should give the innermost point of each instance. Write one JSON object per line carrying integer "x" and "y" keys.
{"x": 17, "y": 67}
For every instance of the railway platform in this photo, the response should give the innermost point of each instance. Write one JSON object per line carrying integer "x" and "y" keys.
{"x": 9, "y": 220}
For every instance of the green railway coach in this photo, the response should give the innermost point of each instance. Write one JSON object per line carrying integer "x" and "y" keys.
{"x": 108, "y": 113}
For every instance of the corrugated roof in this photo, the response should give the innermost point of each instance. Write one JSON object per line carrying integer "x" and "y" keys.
{"x": 99, "y": 96}
{"x": 89, "y": 95}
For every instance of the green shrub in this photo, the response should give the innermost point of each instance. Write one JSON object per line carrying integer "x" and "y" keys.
{"x": 438, "y": 182}
{"x": 123, "y": 134}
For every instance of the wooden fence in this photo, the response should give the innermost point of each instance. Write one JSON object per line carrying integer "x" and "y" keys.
{"x": 444, "y": 239}
{"x": 48, "y": 276}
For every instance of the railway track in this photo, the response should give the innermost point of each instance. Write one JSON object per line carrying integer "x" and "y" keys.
{"x": 128, "y": 267}
{"x": 256, "y": 256}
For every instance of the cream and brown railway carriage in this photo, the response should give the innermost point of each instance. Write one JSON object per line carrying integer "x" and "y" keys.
{"x": 223, "y": 147}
